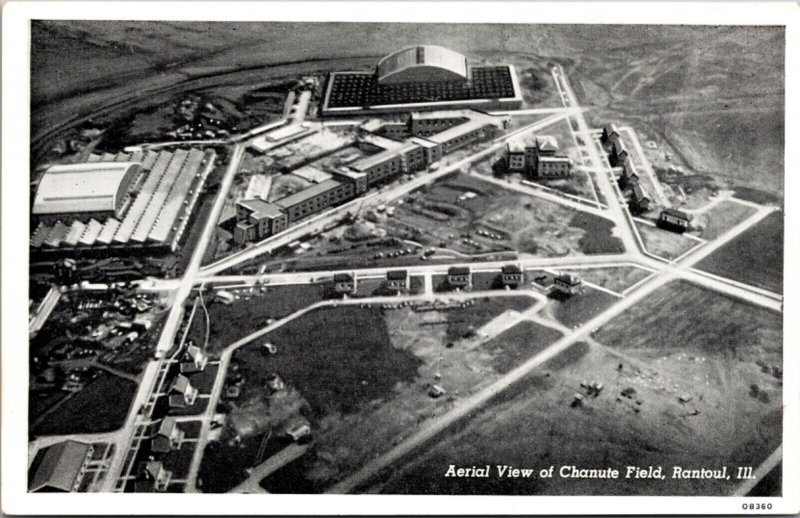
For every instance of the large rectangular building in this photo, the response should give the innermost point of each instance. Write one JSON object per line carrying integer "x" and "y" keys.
{"x": 423, "y": 77}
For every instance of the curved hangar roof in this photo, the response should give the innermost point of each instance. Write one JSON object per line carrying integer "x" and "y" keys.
{"x": 90, "y": 187}
{"x": 422, "y": 63}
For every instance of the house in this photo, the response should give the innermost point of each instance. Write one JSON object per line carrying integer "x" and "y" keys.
{"x": 609, "y": 132}
{"x": 397, "y": 280}
{"x": 618, "y": 153}
{"x": 516, "y": 156}
{"x": 344, "y": 283}
{"x": 168, "y": 437}
{"x": 198, "y": 360}
{"x": 567, "y": 284}
{"x": 511, "y": 275}
{"x": 673, "y": 219}
{"x": 629, "y": 176}
{"x": 640, "y": 199}
{"x": 60, "y": 468}
{"x": 459, "y": 277}
{"x": 152, "y": 477}
{"x": 182, "y": 393}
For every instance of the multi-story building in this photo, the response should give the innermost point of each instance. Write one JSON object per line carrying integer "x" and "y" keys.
{"x": 459, "y": 277}
{"x": 567, "y": 284}
{"x": 516, "y": 156}
{"x": 258, "y": 219}
{"x": 640, "y": 199}
{"x": 543, "y": 161}
{"x": 397, "y": 280}
{"x": 511, "y": 275}
{"x": 315, "y": 199}
{"x": 629, "y": 176}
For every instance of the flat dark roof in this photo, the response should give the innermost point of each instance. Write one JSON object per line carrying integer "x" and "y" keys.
{"x": 359, "y": 89}
{"x": 394, "y": 275}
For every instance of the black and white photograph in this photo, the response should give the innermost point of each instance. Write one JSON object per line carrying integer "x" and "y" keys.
{"x": 364, "y": 254}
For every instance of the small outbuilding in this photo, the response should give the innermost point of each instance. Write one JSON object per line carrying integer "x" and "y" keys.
{"x": 567, "y": 284}
{"x": 344, "y": 283}
{"x": 675, "y": 220}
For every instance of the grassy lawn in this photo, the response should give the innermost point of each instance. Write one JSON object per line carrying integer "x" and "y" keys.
{"x": 515, "y": 345}
{"x": 616, "y": 279}
{"x": 463, "y": 321}
{"x": 328, "y": 375}
{"x": 721, "y": 218}
{"x": 233, "y": 321}
{"x": 685, "y": 317}
{"x": 533, "y": 425}
{"x": 349, "y": 364}
{"x": 577, "y": 309}
{"x": 100, "y": 407}
{"x": 597, "y": 237}
{"x": 753, "y": 257}
{"x": 663, "y": 243}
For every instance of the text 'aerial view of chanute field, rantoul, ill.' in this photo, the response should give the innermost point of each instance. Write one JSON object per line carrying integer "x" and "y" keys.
{"x": 406, "y": 258}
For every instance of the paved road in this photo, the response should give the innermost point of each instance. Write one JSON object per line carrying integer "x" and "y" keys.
{"x": 43, "y": 310}
{"x": 269, "y": 466}
{"x": 190, "y": 276}
{"x": 153, "y": 368}
{"x": 760, "y": 472}
{"x": 595, "y": 161}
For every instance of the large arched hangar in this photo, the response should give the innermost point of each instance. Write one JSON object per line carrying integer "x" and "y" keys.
{"x": 422, "y": 63}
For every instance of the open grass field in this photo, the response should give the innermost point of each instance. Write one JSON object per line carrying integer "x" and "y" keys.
{"x": 517, "y": 344}
{"x": 101, "y": 406}
{"x": 716, "y": 221}
{"x": 754, "y": 257}
{"x": 365, "y": 382}
{"x": 230, "y": 322}
{"x": 497, "y": 219}
{"x": 684, "y": 317}
{"x": 340, "y": 370}
{"x": 532, "y": 425}
{"x": 616, "y": 279}
{"x": 577, "y": 309}
{"x": 663, "y": 243}
{"x": 598, "y": 235}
